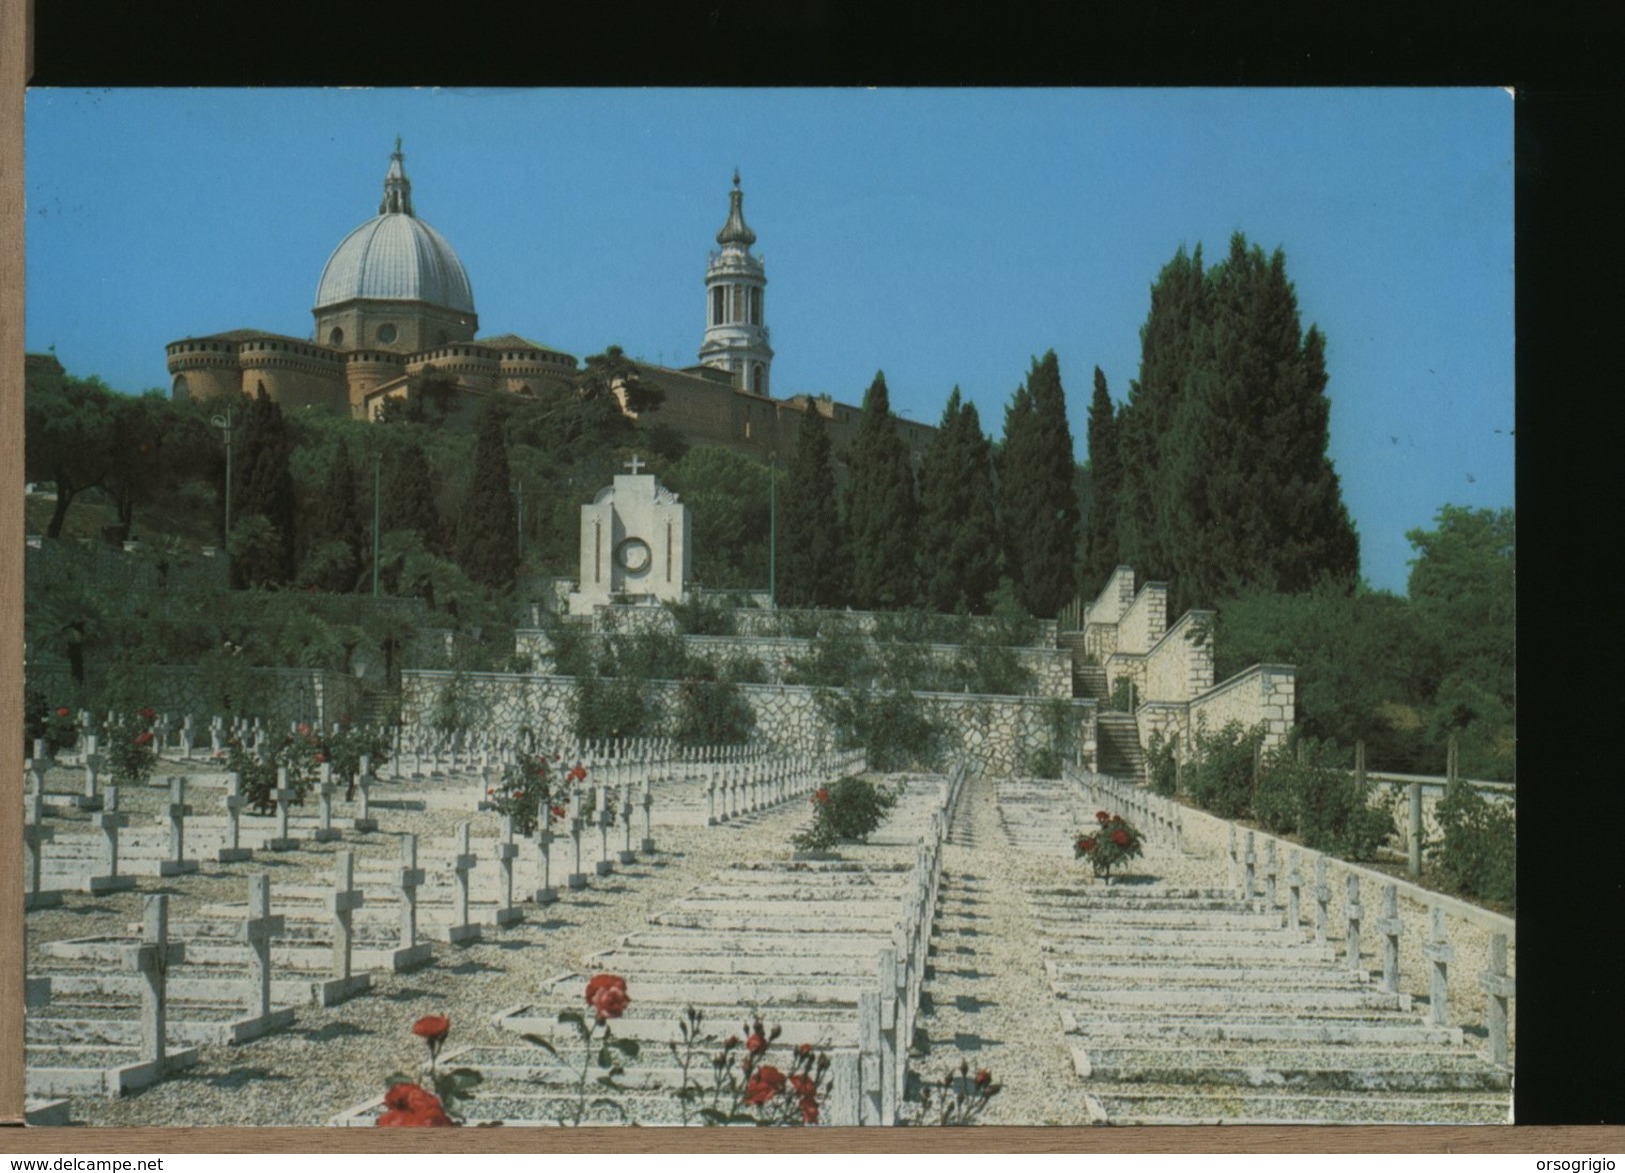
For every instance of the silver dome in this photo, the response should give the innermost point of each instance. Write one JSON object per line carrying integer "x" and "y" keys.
{"x": 395, "y": 257}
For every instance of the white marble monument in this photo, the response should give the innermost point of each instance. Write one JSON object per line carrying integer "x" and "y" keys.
{"x": 634, "y": 544}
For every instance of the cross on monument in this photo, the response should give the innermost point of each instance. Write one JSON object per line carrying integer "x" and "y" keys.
{"x": 634, "y": 464}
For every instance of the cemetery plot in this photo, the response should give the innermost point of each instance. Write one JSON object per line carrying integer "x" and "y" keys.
{"x": 827, "y": 950}
{"x": 1200, "y": 1003}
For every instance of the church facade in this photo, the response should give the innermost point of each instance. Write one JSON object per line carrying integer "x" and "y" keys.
{"x": 395, "y": 309}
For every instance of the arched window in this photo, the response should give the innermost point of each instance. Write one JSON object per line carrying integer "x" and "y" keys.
{"x": 755, "y": 306}
{"x": 181, "y": 389}
{"x": 336, "y": 338}
{"x": 738, "y": 314}
{"x": 717, "y": 294}
{"x": 758, "y": 379}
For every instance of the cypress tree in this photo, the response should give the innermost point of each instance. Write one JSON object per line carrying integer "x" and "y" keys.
{"x": 959, "y": 533}
{"x": 813, "y": 558}
{"x": 335, "y": 522}
{"x": 262, "y": 483}
{"x": 1040, "y": 504}
{"x": 881, "y": 510}
{"x": 1106, "y": 478}
{"x": 488, "y": 535}
{"x": 408, "y": 495}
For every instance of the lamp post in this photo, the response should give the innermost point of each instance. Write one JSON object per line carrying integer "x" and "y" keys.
{"x": 223, "y": 422}
{"x": 773, "y": 531}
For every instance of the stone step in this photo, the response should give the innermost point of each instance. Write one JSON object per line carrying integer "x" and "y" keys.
{"x": 1170, "y": 919}
{"x": 204, "y": 1025}
{"x": 833, "y": 1027}
{"x": 1299, "y": 1069}
{"x": 1239, "y": 1106}
{"x": 760, "y": 941}
{"x": 719, "y": 990}
{"x": 1152, "y": 976}
{"x": 1107, "y": 897}
{"x": 1121, "y": 1028}
{"x": 1285, "y": 952}
{"x": 1127, "y": 940}
{"x": 879, "y": 922}
{"x": 1198, "y": 999}
{"x": 627, "y": 962}
{"x": 182, "y": 986}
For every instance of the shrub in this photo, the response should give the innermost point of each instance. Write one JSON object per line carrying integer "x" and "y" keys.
{"x": 294, "y": 752}
{"x": 850, "y": 809}
{"x": 1321, "y": 803}
{"x": 1221, "y": 780}
{"x": 1162, "y": 764}
{"x": 1112, "y": 841}
{"x": 744, "y": 668}
{"x": 891, "y": 726}
{"x": 991, "y": 670}
{"x": 527, "y": 782}
{"x": 344, "y": 748}
{"x": 131, "y": 749}
{"x": 712, "y": 712}
{"x": 1477, "y": 850}
{"x": 700, "y": 615}
{"x": 610, "y": 708}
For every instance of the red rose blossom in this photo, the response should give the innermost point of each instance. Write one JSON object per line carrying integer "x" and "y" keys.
{"x": 1086, "y": 844}
{"x": 756, "y": 1044}
{"x": 984, "y": 1077}
{"x": 578, "y": 773}
{"x": 821, "y": 794}
{"x": 803, "y": 1086}
{"x": 732, "y": 1042}
{"x": 62, "y": 711}
{"x": 1121, "y": 838}
{"x": 433, "y": 1028}
{"x": 148, "y": 714}
{"x": 559, "y": 812}
{"x": 809, "y": 1111}
{"x": 606, "y": 994}
{"x": 1102, "y": 817}
{"x": 144, "y": 737}
{"x": 804, "y": 1049}
{"x": 410, "y": 1106}
{"x": 764, "y": 1085}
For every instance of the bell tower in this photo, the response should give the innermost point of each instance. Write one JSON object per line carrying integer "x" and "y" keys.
{"x": 736, "y": 336}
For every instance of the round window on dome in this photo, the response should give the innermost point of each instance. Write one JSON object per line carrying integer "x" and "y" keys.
{"x": 386, "y": 332}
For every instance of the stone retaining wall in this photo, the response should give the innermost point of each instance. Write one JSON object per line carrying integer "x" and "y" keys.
{"x": 1180, "y": 665}
{"x": 791, "y": 623}
{"x": 997, "y": 734}
{"x": 1264, "y": 694}
{"x": 1145, "y": 620}
{"x": 1051, "y": 668}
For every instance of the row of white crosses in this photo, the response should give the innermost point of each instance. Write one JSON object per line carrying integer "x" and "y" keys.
{"x": 737, "y": 789}
{"x": 1437, "y": 950}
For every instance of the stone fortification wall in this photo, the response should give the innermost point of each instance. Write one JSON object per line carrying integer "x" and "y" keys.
{"x": 1180, "y": 665}
{"x": 1051, "y": 668}
{"x": 1264, "y": 694}
{"x": 998, "y": 734}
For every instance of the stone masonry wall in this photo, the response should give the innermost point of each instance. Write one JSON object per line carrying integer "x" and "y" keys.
{"x": 1051, "y": 668}
{"x": 781, "y": 623}
{"x": 1264, "y": 694}
{"x": 997, "y": 734}
{"x": 1145, "y": 620}
{"x": 1180, "y": 666}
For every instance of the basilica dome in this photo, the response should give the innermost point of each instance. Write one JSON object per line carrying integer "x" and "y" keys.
{"x": 395, "y": 257}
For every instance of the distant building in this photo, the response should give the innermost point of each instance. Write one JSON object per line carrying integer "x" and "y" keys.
{"x": 395, "y": 309}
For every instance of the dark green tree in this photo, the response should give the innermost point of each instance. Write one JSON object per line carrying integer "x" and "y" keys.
{"x": 69, "y": 435}
{"x": 612, "y": 376}
{"x": 814, "y": 568}
{"x": 728, "y": 499}
{"x": 488, "y": 530}
{"x": 1106, "y": 479}
{"x": 262, "y": 483}
{"x": 959, "y": 531}
{"x": 1038, "y": 497}
{"x": 335, "y": 533}
{"x": 408, "y": 495}
{"x": 880, "y": 508}
{"x": 1174, "y": 332}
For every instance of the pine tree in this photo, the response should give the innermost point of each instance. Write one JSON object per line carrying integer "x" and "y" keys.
{"x": 408, "y": 495}
{"x": 881, "y": 510}
{"x": 334, "y": 535}
{"x": 1106, "y": 479}
{"x": 488, "y": 534}
{"x": 959, "y": 532}
{"x": 262, "y": 483}
{"x": 813, "y": 558}
{"x": 1040, "y": 503}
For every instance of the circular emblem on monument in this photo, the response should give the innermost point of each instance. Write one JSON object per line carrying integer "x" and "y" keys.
{"x": 633, "y": 555}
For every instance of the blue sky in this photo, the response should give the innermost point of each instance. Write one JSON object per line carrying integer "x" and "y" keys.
{"x": 944, "y": 236}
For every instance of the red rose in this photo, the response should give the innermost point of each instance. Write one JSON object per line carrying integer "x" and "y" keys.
{"x": 144, "y": 737}
{"x": 304, "y": 728}
{"x": 1102, "y": 817}
{"x": 148, "y": 714}
{"x": 559, "y": 812}
{"x": 62, "y": 711}
{"x": 756, "y": 1044}
{"x": 984, "y": 1077}
{"x": 489, "y": 792}
{"x": 1086, "y": 844}
{"x": 606, "y": 994}
{"x": 578, "y": 773}
{"x": 433, "y": 1028}
{"x": 764, "y": 1085}
{"x": 804, "y": 1049}
{"x": 410, "y": 1106}
{"x": 1121, "y": 838}
{"x": 409, "y": 1097}
{"x": 821, "y": 794}
{"x": 804, "y": 1086}
{"x": 732, "y": 1042}
{"x": 809, "y": 1111}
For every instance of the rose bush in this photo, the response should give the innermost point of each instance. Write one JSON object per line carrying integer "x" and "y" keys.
{"x": 1111, "y": 842}
{"x": 408, "y": 1104}
{"x": 744, "y": 1087}
{"x": 131, "y": 749}
{"x": 850, "y": 809}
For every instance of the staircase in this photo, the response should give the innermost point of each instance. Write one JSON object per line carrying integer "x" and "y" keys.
{"x": 1117, "y": 749}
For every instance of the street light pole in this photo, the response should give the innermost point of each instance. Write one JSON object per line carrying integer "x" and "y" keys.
{"x": 377, "y": 475}
{"x": 223, "y": 422}
{"x": 773, "y": 532}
